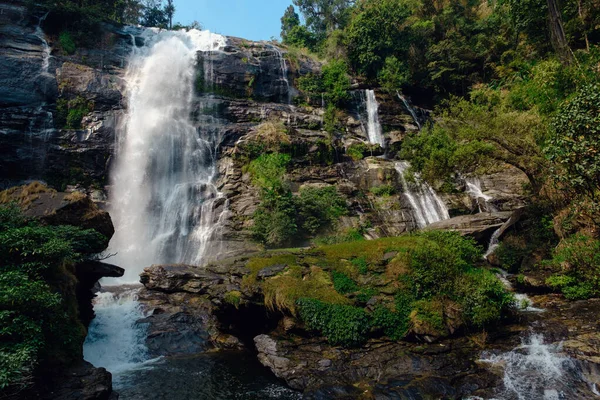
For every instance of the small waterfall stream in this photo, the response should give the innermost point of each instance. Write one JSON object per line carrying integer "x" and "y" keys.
{"x": 536, "y": 370}
{"x": 409, "y": 109}
{"x": 426, "y": 204}
{"x": 374, "y": 130}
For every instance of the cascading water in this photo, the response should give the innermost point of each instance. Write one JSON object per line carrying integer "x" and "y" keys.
{"x": 284, "y": 72}
{"x": 426, "y": 204}
{"x": 163, "y": 193}
{"x": 474, "y": 190}
{"x": 536, "y": 370}
{"x": 163, "y": 200}
{"x": 46, "y": 50}
{"x": 409, "y": 109}
{"x": 374, "y": 130}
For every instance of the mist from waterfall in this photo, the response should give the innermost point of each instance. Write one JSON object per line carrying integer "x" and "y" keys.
{"x": 374, "y": 130}
{"x": 427, "y": 206}
{"x": 163, "y": 196}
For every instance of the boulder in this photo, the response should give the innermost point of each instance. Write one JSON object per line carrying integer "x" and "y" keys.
{"x": 179, "y": 278}
{"x": 82, "y": 382}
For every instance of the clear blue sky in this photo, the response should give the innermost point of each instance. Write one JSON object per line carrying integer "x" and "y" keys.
{"x": 249, "y": 19}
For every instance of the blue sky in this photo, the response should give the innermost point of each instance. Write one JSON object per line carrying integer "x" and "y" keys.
{"x": 249, "y": 19}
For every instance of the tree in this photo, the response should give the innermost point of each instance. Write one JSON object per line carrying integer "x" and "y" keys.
{"x": 169, "y": 11}
{"x": 289, "y": 21}
{"x": 324, "y": 16}
{"x": 479, "y": 134}
{"x": 154, "y": 15}
{"x": 557, "y": 32}
{"x": 573, "y": 147}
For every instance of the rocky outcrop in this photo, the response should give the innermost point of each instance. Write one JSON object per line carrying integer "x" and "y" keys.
{"x": 479, "y": 226}
{"x": 82, "y": 382}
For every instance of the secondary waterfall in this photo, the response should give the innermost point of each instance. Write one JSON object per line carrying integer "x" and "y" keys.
{"x": 374, "y": 130}
{"x": 163, "y": 196}
{"x": 475, "y": 191}
{"x": 426, "y": 204}
{"x": 411, "y": 110}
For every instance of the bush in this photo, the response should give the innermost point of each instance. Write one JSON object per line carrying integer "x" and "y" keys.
{"x": 319, "y": 207}
{"x": 267, "y": 170}
{"x": 342, "y": 283}
{"x": 67, "y": 43}
{"x": 578, "y": 259}
{"x": 383, "y": 190}
{"x": 39, "y": 326}
{"x": 340, "y": 324}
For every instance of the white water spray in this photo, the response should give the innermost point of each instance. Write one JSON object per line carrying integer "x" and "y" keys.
{"x": 409, "y": 109}
{"x": 46, "y": 50}
{"x": 426, "y": 204}
{"x": 116, "y": 312}
{"x": 475, "y": 191}
{"x": 374, "y": 130}
{"x": 536, "y": 370}
{"x": 163, "y": 195}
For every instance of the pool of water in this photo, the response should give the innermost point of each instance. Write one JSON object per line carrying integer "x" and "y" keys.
{"x": 214, "y": 376}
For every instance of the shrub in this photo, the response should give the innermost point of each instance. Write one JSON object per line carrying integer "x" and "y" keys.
{"x": 361, "y": 264}
{"x": 66, "y": 42}
{"x": 342, "y": 283}
{"x": 578, "y": 259}
{"x": 275, "y": 219}
{"x": 267, "y": 170}
{"x": 383, "y": 190}
{"x": 39, "y": 326}
{"x": 340, "y": 324}
{"x": 319, "y": 207}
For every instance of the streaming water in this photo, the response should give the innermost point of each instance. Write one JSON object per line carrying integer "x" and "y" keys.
{"x": 284, "y": 73}
{"x": 163, "y": 200}
{"x": 483, "y": 200}
{"x": 536, "y": 370}
{"x": 374, "y": 130}
{"x": 427, "y": 206}
{"x": 410, "y": 109}
{"x": 166, "y": 209}
{"x": 46, "y": 50}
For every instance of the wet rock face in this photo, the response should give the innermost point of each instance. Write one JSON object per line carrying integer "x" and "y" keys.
{"x": 82, "y": 382}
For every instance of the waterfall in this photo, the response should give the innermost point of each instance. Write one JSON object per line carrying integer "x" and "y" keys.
{"x": 284, "y": 72}
{"x": 163, "y": 196}
{"x": 373, "y": 126}
{"x": 474, "y": 190}
{"x": 409, "y": 109}
{"x": 163, "y": 199}
{"x": 46, "y": 50}
{"x": 536, "y": 370}
{"x": 426, "y": 204}
{"x": 116, "y": 312}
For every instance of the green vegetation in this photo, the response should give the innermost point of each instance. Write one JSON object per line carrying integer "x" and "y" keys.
{"x": 38, "y": 313}
{"x": 383, "y": 190}
{"x": 70, "y": 113}
{"x": 67, "y": 44}
{"x": 431, "y": 286}
{"x": 577, "y": 261}
{"x": 282, "y": 218}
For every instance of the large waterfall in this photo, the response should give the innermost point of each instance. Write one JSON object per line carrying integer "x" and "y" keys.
{"x": 163, "y": 199}
{"x": 163, "y": 194}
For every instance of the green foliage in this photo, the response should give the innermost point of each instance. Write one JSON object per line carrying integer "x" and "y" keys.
{"x": 70, "y": 113}
{"x": 340, "y": 324}
{"x": 37, "y": 324}
{"x": 66, "y": 42}
{"x": 394, "y": 74}
{"x": 281, "y": 215}
{"x": 361, "y": 264}
{"x": 578, "y": 260}
{"x": 324, "y": 16}
{"x": 483, "y": 297}
{"x": 393, "y": 324}
{"x": 336, "y": 82}
{"x": 383, "y": 190}
{"x": 358, "y": 151}
{"x": 267, "y": 170}
{"x": 573, "y": 144}
{"x": 478, "y": 135}
{"x": 342, "y": 283}
{"x": 319, "y": 207}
